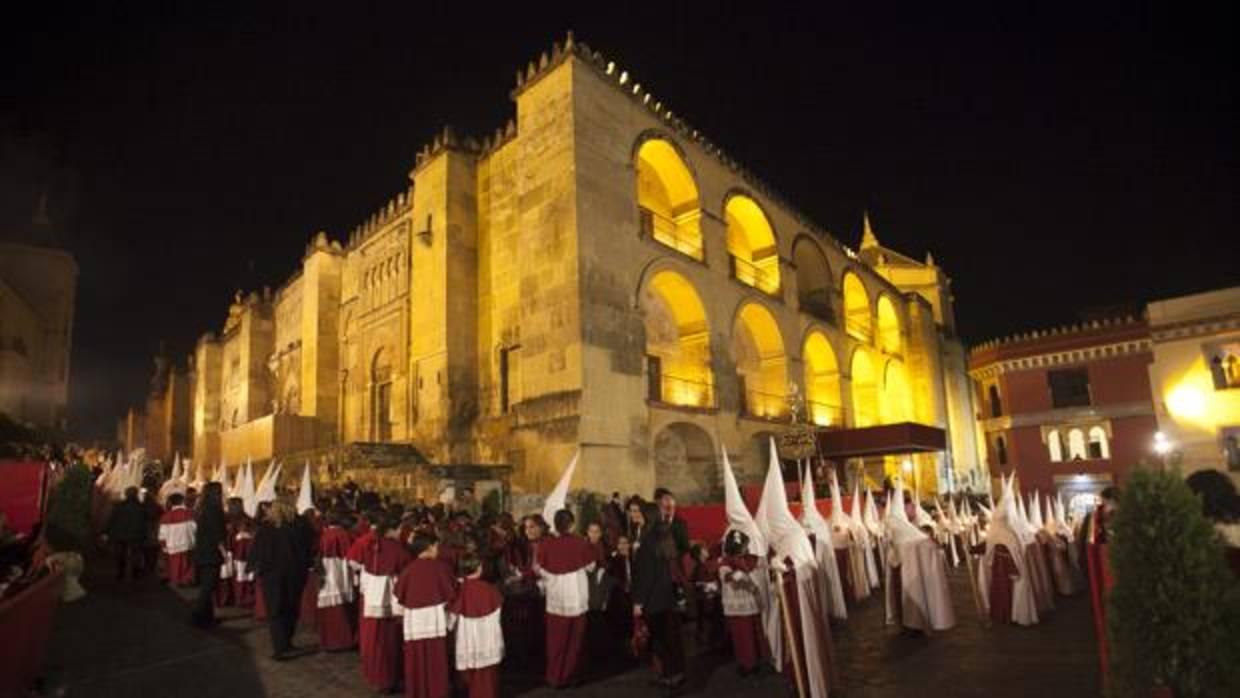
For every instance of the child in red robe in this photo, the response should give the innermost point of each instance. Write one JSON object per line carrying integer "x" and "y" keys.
{"x": 176, "y": 540}
{"x": 379, "y": 632}
{"x": 742, "y": 605}
{"x": 479, "y": 634}
{"x": 424, "y": 590}
{"x": 563, "y": 563}
{"x": 336, "y": 608}
{"x": 242, "y": 529}
{"x": 705, "y": 579}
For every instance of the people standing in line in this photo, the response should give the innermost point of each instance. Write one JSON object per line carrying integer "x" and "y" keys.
{"x": 379, "y": 632}
{"x": 655, "y": 599}
{"x": 425, "y": 588}
{"x": 126, "y": 531}
{"x": 479, "y": 637}
{"x": 563, "y": 562}
{"x": 210, "y": 537}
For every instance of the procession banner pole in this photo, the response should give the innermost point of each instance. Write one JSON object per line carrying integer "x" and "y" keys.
{"x": 789, "y": 635}
{"x": 977, "y": 599}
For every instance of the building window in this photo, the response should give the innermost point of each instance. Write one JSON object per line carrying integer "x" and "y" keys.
{"x": 1098, "y": 446}
{"x": 1001, "y": 450}
{"x": 505, "y": 378}
{"x": 1076, "y": 445}
{"x": 1231, "y": 451}
{"x": 996, "y": 405}
{"x": 1225, "y": 367}
{"x": 1055, "y": 445}
{"x": 1069, "y": 388}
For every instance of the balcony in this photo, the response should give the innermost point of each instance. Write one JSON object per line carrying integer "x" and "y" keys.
{"x": 818, "y": 304}
{"x": 760, "y": 405}
{"x": 680, "y": 236}
{"x": 824, "y": 415}
{"x": 751, "y": 274}
{"x": 681, "y": 392}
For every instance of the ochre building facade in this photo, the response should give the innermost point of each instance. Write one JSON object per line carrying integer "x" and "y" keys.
{"x": 595, "y": 276}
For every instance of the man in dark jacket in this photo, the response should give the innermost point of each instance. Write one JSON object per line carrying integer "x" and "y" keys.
{"x": 127, "y": 532}
{"x": 654, "y": 598}
{"x": 209, "y": 541}
{"x": 281, "y": 558}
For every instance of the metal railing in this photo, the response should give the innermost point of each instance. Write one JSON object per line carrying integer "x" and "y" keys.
{"x": 683, "y": 392}
{"x": 772, "y": 406}
{"x": 824, "y": 415}
{"x": 666, "y": 231}
{"x": 751, "y": 274}
{"x": 817, "y": 303}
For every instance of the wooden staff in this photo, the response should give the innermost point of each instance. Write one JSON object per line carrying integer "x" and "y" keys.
{"x": 789, "y": 635}
{"x": 977, "y": 598}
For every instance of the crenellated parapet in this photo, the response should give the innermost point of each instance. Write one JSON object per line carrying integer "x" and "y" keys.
{"x": 1062, "y": 331}
{"x": 396, "y": 207}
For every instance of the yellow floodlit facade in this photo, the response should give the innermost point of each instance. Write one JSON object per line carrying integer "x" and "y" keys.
{"x": 595, "y": 276}
{"x": 1194, "y": 377}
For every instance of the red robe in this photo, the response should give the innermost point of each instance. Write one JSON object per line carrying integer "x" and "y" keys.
{"x": 379, "y": 632}
{"x": 479, "y": 637}
{"x": 244, "y": 589}
{"x": 424, "y": 590}
{"x": 565, "y": 558}
{"x": 176, "y": 537}
{"x": 336, "y": 608}
{"x": 523, "y": 605}
{"x": 1002, "y": 570}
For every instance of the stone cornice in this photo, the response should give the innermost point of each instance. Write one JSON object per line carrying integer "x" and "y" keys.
{"x": 1062, "y": 358}
{"x": 1217, "y": 324}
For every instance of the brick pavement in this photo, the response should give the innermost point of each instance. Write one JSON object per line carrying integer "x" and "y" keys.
{"x": 136, "y": 643}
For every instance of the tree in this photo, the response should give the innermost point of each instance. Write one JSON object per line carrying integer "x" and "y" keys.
{"x": 68, "y": 510}
{"x": 1172, "y": 614}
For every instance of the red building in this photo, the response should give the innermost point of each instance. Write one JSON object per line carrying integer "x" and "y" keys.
{"x": 1069, "y": 409}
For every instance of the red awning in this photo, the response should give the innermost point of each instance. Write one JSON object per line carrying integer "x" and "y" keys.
{"x": 885, "y": 440}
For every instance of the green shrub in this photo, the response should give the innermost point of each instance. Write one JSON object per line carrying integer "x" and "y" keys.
{"x": 68, "y": 510}
{"x": 1172, "y": 613}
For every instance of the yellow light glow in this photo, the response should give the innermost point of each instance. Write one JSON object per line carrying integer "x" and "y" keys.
{"x": 687, "y": 379}
{"x": 763, "y": 366}
{"x": 751, "y": 242}
{"x": 822, "y": 380}
{"x": 1187, "y": 402}
{"x": 856, "y": 308}
{"x": 668, "y": 198}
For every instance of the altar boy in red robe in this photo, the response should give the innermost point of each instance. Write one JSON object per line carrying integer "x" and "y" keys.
{"x": 424, "y": 590}
{"x": 479, "y": 634}
{"x": 379, "y": 631}
{"x": 563, "y": 562}
{"x": 176, "y": 538}
{"x": 336, "y": 608}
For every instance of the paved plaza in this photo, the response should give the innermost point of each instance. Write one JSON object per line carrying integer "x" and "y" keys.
{"x": 135, "y": 642}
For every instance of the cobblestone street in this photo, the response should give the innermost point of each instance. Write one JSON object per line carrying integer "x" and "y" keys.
{"x": 136, "y": 642}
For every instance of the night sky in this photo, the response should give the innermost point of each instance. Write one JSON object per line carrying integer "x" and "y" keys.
{"x": 1053, "y": 159}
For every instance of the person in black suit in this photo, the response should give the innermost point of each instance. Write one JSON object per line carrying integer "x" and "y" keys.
{"x": 655, "y": 598}
{"x": 210, "y": 537}
{"x": 281, "y": 558}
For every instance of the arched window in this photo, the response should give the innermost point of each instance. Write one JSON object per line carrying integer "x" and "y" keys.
{"x": 896, "y": 401}
{"x": 1001, "y": 450}
{"x": 1054, "y": 445}
{"x": 813, "y": 279}
{"x": 381, "y": 396}
{"x": 1076, "y": 445}
{"x": 751, "y": 244}
{"x": 822, "y": 382}
{"x": 856, "y": 308}
{"x": 864, "y": 381}
{"x": 758, "y": 348}
{"x": 996, "y": 405}
{"x": 667, "y": 199}
{"x": 888, "y": 326}
{"x": 677, "y": 343}
{"x": 1098, "y": 446}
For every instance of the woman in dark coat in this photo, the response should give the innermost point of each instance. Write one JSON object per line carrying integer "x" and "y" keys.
{"x": 210, "y": 537}
{"x": 281, "y": 557}
{"x": 654, "y": 598}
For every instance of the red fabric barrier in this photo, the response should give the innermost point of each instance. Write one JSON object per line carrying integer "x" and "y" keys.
{"x": 708, "y": 522}
{"x": 23, "y": 494}
{"x": 1100, "y": 583}
{"x": 28, "y": 618}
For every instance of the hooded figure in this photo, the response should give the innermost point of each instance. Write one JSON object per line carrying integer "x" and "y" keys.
{"x": 1056, "y": 547}
{"x": 917, "y": 593}
{"x": 850, "y": 560}
{"x": 862, "y": 534}
{"x": 824, "y": 548}
{"x": 805, "y": 610}
{"x": 1003, "y": 578}
{"x": 741, "y": 520}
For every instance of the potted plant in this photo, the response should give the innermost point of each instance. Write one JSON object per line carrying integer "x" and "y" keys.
{"x": 1172, "y": 614}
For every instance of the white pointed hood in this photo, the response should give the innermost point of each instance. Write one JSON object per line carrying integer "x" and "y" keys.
{"x": 558, "y": 498}
{"x": 266, "y": 491}
{"x": 899, "y": 527}
{"x": 248, "y": 495}
{"x": 810, "y": 516}
{"x": 737, "y": 513}
{"x": 873, "y": 523}
{"x": 784, "y": 534}
{"x": 176, "y": 468}
{"x": 839, "y": 520}
{"x": 1035, "y": 509}
{"x": 305, "y": 497}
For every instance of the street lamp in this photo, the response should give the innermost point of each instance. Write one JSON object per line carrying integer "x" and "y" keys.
{"x": 1162, "y": 446}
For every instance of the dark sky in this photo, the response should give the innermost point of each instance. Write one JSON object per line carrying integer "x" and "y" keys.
{"x": 1053, "y": 157}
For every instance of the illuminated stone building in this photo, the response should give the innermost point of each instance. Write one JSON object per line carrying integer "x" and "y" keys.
{"x": 1196, "y": 376}
{"x": 1068, "y": 409}
{"x": 595, "y": 276}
